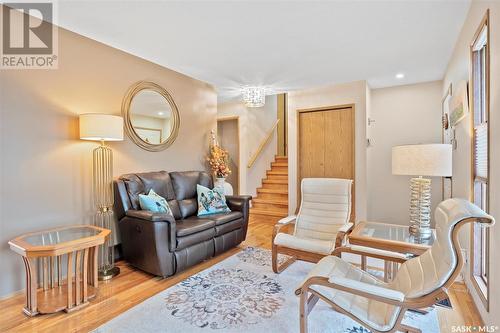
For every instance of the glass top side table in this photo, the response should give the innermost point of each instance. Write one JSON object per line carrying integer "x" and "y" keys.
{"x": 51, "y": 252}
{"x": 389, "y": 237}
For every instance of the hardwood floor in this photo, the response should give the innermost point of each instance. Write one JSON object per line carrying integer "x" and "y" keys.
{"x": 132, "y": 287}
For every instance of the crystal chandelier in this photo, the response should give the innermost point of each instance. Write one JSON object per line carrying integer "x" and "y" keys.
{"x": 254, "y": 97}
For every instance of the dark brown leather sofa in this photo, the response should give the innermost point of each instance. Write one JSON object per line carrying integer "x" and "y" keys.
{"x": 163, "y": 244}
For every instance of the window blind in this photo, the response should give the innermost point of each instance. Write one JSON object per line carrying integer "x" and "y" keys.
{"x": 481, "y": 151}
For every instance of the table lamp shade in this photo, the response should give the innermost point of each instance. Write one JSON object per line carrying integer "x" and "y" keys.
{"x": 101, "y": 127}
{"x": 422, "y": 160}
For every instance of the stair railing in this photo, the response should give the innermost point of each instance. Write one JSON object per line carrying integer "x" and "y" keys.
{"x": 262, "y": 145}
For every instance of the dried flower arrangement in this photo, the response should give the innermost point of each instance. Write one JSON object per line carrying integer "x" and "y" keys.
{"x": 219, "y": 161}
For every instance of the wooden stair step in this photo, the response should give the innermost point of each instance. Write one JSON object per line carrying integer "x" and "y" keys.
{"x": 271, "y": 201}
{"x": 281, "y": 186}
{"x": 281, "y": 158}
{"x": 277, "y": 177}
{"x": 271, "y": 190}
{"x": 278, "y": 172}
{"x": 275, "y": 213}
{"x": 275, "y": 181}
{"x": 279, "y": 164}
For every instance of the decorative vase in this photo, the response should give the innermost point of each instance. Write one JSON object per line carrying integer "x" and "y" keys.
{"x": 221, "y": 183}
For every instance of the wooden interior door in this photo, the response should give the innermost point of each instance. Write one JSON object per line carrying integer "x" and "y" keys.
{"x": 326, "y": 145}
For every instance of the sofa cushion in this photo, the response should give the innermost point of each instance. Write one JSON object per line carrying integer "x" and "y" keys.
{"x": 192, "y": 225}
{"x": 224, "y": 217}
{"x": 184, "y": 185}
{"x": 227, "y": 227}
{"x": 134, "y": 187}
{"x": 159, "y": 181}
{"x": 189, "y": 240}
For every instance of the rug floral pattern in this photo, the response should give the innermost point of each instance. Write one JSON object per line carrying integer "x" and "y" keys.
{"x": 259, "y": 257}
{"x": 226, "y": 298}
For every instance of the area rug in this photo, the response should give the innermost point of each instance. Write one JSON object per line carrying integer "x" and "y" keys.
{"x": 241, "y": 294}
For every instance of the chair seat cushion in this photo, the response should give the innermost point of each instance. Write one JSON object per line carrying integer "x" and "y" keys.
{"x": 304, "y": 244}
{"x": 192, "y": 225}
{"x": 224, "y": 217}
{"x": 376, "y": 314}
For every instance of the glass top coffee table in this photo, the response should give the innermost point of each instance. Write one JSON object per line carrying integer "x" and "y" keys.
{"x": 50, "y": 253}
{"x": 389, "y": 237}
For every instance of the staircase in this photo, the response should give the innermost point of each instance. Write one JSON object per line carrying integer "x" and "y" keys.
{"x": 272, "y": 197}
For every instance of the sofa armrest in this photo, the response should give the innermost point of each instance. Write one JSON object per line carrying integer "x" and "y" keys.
{"x": 240, "y": 203}
{"x": 146, "y": 215}
{"x": 150, "y": 216}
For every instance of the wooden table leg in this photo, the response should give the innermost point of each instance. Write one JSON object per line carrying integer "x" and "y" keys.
{"x": 85, "y": 274}
{"x": 69, "y": 282}
{"x": 94, "y": 281}
{"x": 77, "y": 277}
{"x": 31, "y": 308}
{"x": 59, "y": 270}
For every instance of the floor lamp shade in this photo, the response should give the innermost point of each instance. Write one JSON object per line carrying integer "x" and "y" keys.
{"x": 433, "y": 160}
{"x": 103, "y": 127}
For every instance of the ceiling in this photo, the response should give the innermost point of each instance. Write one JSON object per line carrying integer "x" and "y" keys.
{"x": 279, "y": 44}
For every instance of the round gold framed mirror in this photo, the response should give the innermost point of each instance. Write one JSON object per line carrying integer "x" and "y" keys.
{"x": 151, "y": 117}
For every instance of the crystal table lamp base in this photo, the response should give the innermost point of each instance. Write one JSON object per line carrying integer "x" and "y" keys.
{"x": 420, "y": 207}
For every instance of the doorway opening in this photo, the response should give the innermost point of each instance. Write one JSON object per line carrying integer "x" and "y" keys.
{"x": 228, "y": 135}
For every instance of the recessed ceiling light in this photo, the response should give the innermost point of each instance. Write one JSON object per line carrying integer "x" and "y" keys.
{"x": 400, "y": 76}
{"x": 160, "y": 113}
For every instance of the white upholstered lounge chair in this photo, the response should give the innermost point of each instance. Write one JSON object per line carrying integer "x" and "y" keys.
{"x": 419, "y": 283}
{"x": 320, "y": 225}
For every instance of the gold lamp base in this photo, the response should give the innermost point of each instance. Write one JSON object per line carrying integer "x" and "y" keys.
{"x": 108, "y": 274}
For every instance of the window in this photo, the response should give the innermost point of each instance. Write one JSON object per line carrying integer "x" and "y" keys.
{"x": 480, "y": 156}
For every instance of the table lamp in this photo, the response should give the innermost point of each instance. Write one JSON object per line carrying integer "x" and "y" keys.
{"x": 433, "y": 160}
{"x": 103, "y": 127}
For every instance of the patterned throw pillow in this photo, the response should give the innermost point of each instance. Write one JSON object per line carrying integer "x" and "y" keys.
{"x": 154, "y": 202}
{"x": 211, "y": 201}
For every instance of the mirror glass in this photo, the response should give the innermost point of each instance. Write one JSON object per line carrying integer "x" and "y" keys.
{"x": 151, "y": 117}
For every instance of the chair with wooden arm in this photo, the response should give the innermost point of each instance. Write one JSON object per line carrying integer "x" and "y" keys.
{"x": 321, "y": 224}
{"x": 419, "y": 283}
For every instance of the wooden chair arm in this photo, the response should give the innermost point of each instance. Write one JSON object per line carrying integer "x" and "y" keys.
{"x": 283, "y": 222}
{"x": 342, "y": 234}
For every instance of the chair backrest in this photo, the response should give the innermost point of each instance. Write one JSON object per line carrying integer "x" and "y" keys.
{"x": 325, "y": 207}
{"x": 438, "y": 266}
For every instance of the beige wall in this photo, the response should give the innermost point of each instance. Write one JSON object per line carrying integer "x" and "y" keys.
{"x": 348, "y": 93}
{"x": 46, "y": 170}
{"x": 458, "y": 69}
{"x": 255, "y": 124}
{"x": 408, "y": 114}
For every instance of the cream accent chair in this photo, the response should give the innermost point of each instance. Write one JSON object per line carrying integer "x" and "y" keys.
{"x": 419, "y": 283}
{"x": 321, "y": 224}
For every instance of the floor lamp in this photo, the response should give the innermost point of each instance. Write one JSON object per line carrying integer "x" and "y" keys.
{"x": 421, "y": 160}
{"x": 103, "y": 127}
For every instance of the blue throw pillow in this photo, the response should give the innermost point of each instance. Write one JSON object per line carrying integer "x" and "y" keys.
{"x": 211, "y": 201}
{"x": 154, "y": 202}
